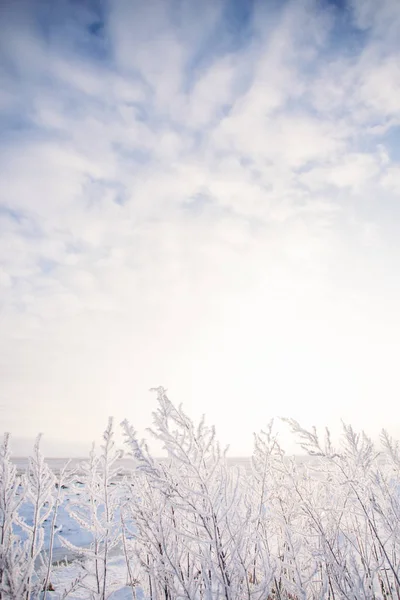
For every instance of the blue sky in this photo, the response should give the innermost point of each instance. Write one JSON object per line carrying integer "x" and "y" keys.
{"x": 202, "y": 196}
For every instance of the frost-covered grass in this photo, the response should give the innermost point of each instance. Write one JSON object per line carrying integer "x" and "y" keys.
{"x": 193, "y": 527}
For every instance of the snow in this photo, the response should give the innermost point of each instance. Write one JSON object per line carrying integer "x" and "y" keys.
{"x": 66, "y": 526}
{"x": 64, "y": 575}
{"x": 194, "y": 528}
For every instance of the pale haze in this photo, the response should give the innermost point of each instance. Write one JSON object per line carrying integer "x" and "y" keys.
{"x": 204, "y": 196}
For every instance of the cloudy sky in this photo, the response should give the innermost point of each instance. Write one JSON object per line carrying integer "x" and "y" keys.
{"x": 204, "y": 196}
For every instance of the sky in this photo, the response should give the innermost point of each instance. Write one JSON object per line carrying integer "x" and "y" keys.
{"x": 203, "y": 196}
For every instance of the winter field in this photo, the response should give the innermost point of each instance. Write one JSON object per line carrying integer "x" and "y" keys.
{"x": 199, "y": 526}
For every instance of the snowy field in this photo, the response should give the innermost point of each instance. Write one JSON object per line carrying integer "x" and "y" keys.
{"x": 67, "y": 562}
{"x": 198, "y": 526}
{"x": 71, "y": 539}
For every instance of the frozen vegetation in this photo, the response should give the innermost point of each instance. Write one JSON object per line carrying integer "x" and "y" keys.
{"x": 193, "y": 527}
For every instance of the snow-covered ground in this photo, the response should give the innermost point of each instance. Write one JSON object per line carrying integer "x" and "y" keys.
{"x": 65, "y": 525}
{"x": 64, "y": 575}
{"x": 194, "y": 528}
{"x": 69, "y": 564}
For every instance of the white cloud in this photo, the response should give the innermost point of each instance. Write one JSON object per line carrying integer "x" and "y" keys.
{"x": 353, "y": 171}
{"x": 380, "y": 87}
{"x": 382, "y": 19}
{"x": 391, "y": 180}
